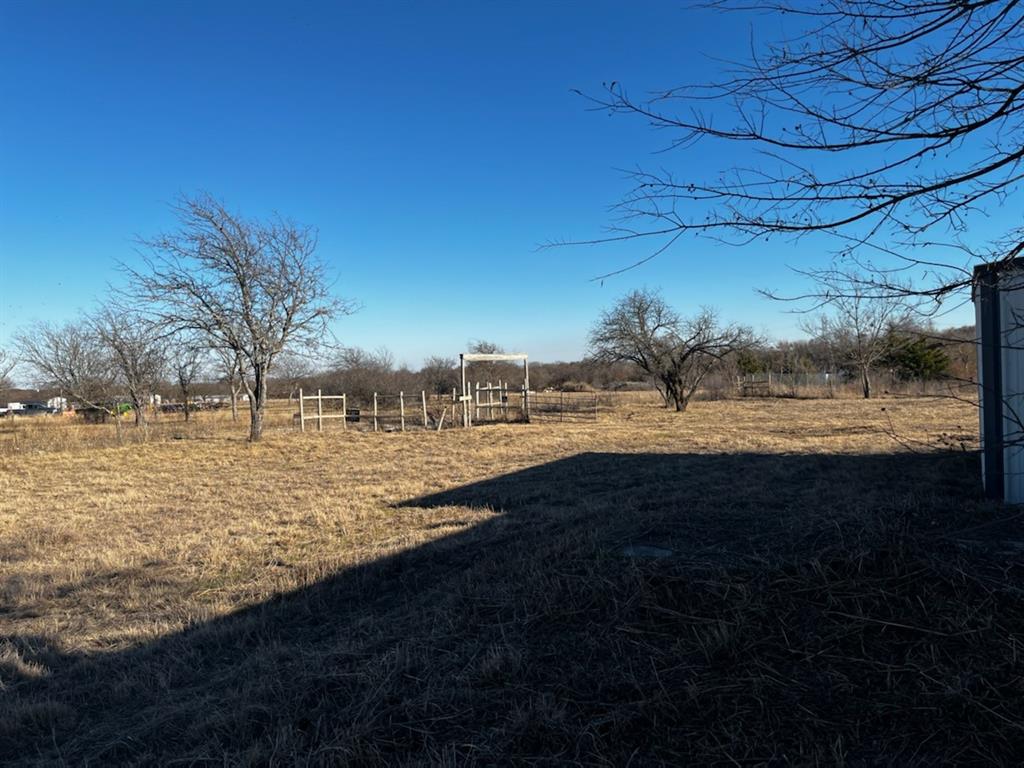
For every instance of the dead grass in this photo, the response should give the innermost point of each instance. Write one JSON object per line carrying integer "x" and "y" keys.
{"x": 461, "y": 597}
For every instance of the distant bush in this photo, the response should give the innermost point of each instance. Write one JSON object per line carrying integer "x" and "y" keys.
{"x": 577, "y": 386}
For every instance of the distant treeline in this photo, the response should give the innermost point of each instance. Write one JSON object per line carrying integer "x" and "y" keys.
{"x": 915, "y": 354}
{"x": 911, "y": 354}
{"x": 360, "y": 373}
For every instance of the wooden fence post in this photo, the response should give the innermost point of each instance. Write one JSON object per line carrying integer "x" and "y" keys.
{"x": 490, "y": 401}
{"x": 463, "y": 392}
{"x": 526, "y": 389}
{"x": 476, "y": 402}
{"x": 344, "y": 411}
{"x": 302, "y": 413}
{"x": 374, "y": 411}
{"x": 423, "y": 397}
{"x": 401, "y": 408}
{"x": 319, "y": 411}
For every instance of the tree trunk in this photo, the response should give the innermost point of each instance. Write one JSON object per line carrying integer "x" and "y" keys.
{"x": 257, "y": 404}
{"x": 234, "y": 404}
{"x": 666, "y": 391}
{"x": 140, "y": 411}
{"x": 866, "y": 381}
{"x": 188, "y": 412}
{"x": 255, "y": 421}
{"x": 680, "y": 397}
{"x": 675, "y": 396}
{"x": 138, "y": 406}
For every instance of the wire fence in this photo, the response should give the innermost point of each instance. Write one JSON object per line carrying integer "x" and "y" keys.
{"x": 563, "y": 406}
{"x": 379, "y": 412}
{"x": 826, "y": 384}
{"x": 407, "y": 411}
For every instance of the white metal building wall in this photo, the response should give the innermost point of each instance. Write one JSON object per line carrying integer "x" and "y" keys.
{"x": 998, "y": 294}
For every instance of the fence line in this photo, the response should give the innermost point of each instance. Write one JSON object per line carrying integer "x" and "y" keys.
{"x": 319, "y": 397}
{"x": 402, "y": 410}
{"x": 564, "y": 406}
{"x": 488, "y": 403}
{"x": 773, "y": 384}
{"x": 501, "y": 404}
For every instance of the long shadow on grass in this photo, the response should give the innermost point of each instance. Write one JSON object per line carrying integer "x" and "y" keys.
{"x": 813, "y": 608}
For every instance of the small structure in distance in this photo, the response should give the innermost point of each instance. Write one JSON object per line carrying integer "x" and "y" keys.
{"x": 488, "y": 357}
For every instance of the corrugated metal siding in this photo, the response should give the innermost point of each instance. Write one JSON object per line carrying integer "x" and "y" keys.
{"x": 1011, "y": 317}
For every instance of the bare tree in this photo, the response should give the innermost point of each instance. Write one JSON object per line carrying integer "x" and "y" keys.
{"x": 231, "y": 370}
{"x": 360, "y": 373}
{"x": 676, "y": 353}
{"x": 440, "y": 374}
{"x": 7, "y": 363}
{"x": 138, "y": 351}
{"x": 188, "y": 359}
{"x": 484, "y": 347}
{"x": 71, "y": 358}
{"x": 491, "y": 371}
{"x": 883, "y": 124}
{"x": 859, "y": 326}
{"x": 251, "y": 287}
{"x": 292, "y": 370}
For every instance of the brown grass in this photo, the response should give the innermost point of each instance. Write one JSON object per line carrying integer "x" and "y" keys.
{"x": 837, "y": 592}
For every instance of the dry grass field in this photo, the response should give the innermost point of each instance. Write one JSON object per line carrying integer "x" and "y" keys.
{"x": 830, "y": 589}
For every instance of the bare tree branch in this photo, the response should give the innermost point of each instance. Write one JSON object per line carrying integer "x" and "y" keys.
{"x": 137, "y": 350}
{"x": 71, "y": 358}
{"x": 250, "y": 287}
{"x": 885, "y": 125}
{"x": 860, "y": 326}
{"x": 7, "y": 363}
{"x": 676, "y": 353}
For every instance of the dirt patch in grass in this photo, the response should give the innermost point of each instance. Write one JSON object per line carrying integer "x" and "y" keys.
{"x": 461, "y": 598}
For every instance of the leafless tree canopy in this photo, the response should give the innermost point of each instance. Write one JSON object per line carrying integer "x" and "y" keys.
{"x": 230, "y": 369}
{"x": 484, "y": 347}
{"x": 251, "y": 287}
{"x": 359, "y": 372}
{"x": 882, "y": 123}
{"x": 291, "y": 369}
{"x": 188, "y": 358}
{"x": 7, "y": 363}
{"x": 138, "y": 351}
{"x": 676, "y": 353}
{"x": 71, "y": 358}
{"x": 860, "y": 325}
{"x": 492, "y": 371}
{"x": 440, "y": 374}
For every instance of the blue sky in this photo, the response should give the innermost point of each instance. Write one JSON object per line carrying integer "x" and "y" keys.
{"x": 434, "y": 145}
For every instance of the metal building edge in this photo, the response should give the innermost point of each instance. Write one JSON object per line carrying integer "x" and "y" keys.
{"x": 987, "y": 294}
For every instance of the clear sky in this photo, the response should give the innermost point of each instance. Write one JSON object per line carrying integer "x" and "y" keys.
{"x": 434, "y": 144}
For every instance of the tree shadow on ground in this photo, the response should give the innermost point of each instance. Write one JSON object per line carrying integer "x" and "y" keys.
{"x": 813, "y": 608}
